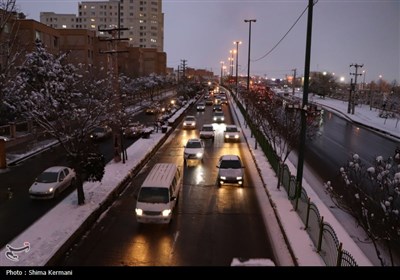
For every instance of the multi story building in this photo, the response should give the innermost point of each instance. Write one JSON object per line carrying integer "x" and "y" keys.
{"x": 142, "y": 19}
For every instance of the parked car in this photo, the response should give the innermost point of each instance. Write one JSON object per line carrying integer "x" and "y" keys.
{"x": 52, "y": 182}
{"x": 207, "y": 132}
{"x": 194, "y": 150}
{"x": 231, "y": 133}
{"x": 101, "y": 132}
{"x": 189, "y": 122}
{"x": 218, "y": 117}
{"x": 230, "y": 170}
{"x": 201, "y": 106}
{"x": 134, "y": 130}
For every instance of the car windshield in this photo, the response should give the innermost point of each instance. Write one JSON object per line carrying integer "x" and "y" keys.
{"x": 207, "y": 128}
{"x": 47, "y": 177}
{"x": 230, "y": 164}
{"x": 193, "y": 145}
{"x": 153, "y": 195}
{"x": 190, "y": 119}
{"x": 219, "y": 114}
{"x": 231, "y": 129}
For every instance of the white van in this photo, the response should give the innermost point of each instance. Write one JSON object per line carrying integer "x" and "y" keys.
{"x": 158, "y": 194}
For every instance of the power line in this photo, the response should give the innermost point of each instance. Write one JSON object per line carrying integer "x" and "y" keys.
{"x": 283, "y": 35}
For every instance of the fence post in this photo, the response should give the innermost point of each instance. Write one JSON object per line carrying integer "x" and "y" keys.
{"x": 339, "y": 255}
{"x": 308, "y": 212}
{"x": 321, "y": 231}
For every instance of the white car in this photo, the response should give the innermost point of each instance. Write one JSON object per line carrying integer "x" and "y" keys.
{"x": 101, "y": 132}
{"x": 201, "y": 106}
{"x": 207, "y": 132}
{"x": 231, "y": 133}
{"x": 194, "y": 149}
{"x": 230, "y": 170}
{"x": 52, "y": 182}
{"x": 189, "y": 122}
{"x": 218, "y": 117}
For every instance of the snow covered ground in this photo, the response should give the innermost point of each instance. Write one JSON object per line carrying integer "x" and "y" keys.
{"x": 38, "y": 243}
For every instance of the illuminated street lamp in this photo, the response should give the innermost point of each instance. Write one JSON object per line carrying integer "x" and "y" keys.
{"x": 237, "y": 60}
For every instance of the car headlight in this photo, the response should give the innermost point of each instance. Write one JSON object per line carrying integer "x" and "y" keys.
{"x": 215, "y": 118}
{"x": 239, "y": 178}
{"x": 226, "y": 136}
{"x": 166, "y": 212}
{"x": 222, "y": 118}
{"x": 51, "y": 190}
{"x": 222, "y": 177}
{"x": 184, "y": 123}
{"x": 139, "y": 212}
{"x": 199, "y": 155}
{"x": 237, "y": 136}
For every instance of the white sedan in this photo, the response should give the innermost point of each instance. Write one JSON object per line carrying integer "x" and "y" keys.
{"x": 231, "y": 133}
{"x": 194, "y": 150}
{"x": 52, "y": 182}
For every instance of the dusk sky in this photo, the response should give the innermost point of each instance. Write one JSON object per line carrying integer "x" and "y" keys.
{"x": 344, "y": 32}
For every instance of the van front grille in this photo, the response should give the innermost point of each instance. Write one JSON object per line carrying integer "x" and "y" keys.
{"x": 152, "y": 213}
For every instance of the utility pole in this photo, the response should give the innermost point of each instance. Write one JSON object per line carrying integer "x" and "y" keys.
{"x": 304, "y": 107}
{"x": 354, "y": 86}
{"x": 294, "y": 80}
{"x": 112, "y": 53}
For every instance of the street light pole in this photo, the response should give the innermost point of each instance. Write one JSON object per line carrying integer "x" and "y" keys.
{"x": 248, "y": 58}
{"x": 302, "y": 143}
{"x": 222, "y": 66}
{"x": 237, "y": 61}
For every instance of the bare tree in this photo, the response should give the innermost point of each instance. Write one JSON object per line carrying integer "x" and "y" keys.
{"x": 10, "y": 50}
{"x": 65, "y": 105}
{"x": 279, "y": 122}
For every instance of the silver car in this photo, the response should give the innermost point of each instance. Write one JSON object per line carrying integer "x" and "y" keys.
{"x": 52, "y": 182}
{"x": 230, "y": 170}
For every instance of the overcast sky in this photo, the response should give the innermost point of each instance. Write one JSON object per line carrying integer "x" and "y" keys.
{"x": 344, "y": 32}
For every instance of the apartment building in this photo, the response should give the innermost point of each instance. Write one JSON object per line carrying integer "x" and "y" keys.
{"x": 142, "y": 19}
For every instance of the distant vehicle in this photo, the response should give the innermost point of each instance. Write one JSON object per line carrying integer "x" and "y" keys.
{"x": 224, "y": 100}
{"x": 230, "y": 170}
{"x": 207, "y": 132}
{"x": 101, "y": 132}
{"x": 189, "y": 122}
{"x": 209, "y": 101}
{"x": 218, "y": 117}
{"x": 194, "y": 150}
{"x": 151, "y": 110}
{"x": 52, "y": 182}
{"x": 158, "y": 194}
{"x": 231, "y": 133}
{"x": 134, "y": 130}
{"x": 201, "y": 106}
{"x": 217, "y": 107}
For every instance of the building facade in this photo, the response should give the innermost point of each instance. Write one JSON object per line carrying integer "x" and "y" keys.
{"x": 142, "y": 20}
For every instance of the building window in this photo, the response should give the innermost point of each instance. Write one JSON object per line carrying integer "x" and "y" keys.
{"x": 37, "y": 35}
{"x": 55, "y": 42}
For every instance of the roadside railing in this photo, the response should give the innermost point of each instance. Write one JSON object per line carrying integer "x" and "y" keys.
{"x": 321, "y": 233}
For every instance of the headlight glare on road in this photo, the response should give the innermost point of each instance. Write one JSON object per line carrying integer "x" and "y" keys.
{"x": 139, "y": 211}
